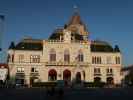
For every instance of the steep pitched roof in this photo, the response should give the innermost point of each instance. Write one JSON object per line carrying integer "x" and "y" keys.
{"x": 75, "y": 19}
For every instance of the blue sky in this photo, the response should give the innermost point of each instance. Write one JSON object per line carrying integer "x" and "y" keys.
{"x": 109, "y": 20}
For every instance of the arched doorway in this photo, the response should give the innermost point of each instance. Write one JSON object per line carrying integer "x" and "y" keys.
{"x": 78, "y": 77}
{"x": 52, "y": 75}
{"x": 110, "y": 80}
{"x": 67, "y": 76}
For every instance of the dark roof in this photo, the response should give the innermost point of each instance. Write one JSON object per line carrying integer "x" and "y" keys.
{"x": 75, "y": 20}
{"x": 128, "y": 68}
{"x": 102, "y": 46}
{"x": 3, "y": 65}
{"x": 12, "y": 45}
{"x": 116, "y": 49}
{"x": 77, "y": 36}
{"x": 56, "y": 34}
{"x": 29, "y": 44}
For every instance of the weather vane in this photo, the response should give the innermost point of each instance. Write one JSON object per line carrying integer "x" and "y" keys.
{"x": 76, "y": 10}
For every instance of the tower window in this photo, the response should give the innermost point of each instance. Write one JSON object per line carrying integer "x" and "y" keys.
{"x": 52, "y": 55}
{"x": 80, "y": 56}
{"x": 66, "y": 56}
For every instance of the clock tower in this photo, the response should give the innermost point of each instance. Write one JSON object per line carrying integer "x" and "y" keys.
{"x": 75, "y": 25}
{"x": 67, "y": 36}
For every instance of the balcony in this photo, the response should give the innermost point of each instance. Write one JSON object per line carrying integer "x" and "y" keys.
{"x": 73, "y": 64}
{"x": 20, "y": 75}
{"x": 97, "y": 74}
{"x": 109, "y": 74}
{"x": 34, "y": 74}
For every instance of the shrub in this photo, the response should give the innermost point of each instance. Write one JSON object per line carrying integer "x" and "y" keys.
{"x": 44, "y": 84}
{"x": 94, "y": 84}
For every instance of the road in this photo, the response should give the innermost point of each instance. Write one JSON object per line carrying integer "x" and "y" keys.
{"x": 69, "y": 94}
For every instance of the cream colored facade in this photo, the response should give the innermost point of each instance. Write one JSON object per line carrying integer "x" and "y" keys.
{"x": 20, "y": 61}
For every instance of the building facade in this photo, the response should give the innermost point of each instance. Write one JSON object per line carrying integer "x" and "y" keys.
{"x": 68, "y": 54}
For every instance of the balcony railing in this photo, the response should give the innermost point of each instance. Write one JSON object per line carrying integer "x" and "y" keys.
{"x": 34, "y": 74}
{"x": 97, "y": 74}
{"x": 109, "y": 74}
{"x": 20, "y": 75}
{"x": 67, "y": 64}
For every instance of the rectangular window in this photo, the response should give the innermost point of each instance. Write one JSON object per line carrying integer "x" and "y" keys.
{"x": 52, "y": 57}
{"x": 109, "y": 71}
{"x": 21, "y": 58}
{"x": 80, "y": 58}
{"x": 97, "y": 71}
{"x": 20, "y": 69}
{"x": 66, "y": 58}
{"x": 96, "y": 60}
{"x": 35, "y": 58}
{"x": 34, "y": 69}
{"x": 117, "y": 59}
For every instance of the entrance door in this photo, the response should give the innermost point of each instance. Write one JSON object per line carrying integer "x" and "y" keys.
{"x": 52, "y": 75}
{"x": 67, "y": 76}
{"x": 78, "y": 77}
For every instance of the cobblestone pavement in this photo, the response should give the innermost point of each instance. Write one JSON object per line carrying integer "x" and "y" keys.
{"x": 69, "y": 94}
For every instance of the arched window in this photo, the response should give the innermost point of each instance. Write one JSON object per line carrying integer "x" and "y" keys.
{"x": 100, "y": 60}
{"x": 66, "y": 56}
{"x": 80, "y": 56}
{"x": 93, "y": 60}
{"x": 117, "y": 59}
{"x": 52, "y": 55}
{"x": 97, "y": 60}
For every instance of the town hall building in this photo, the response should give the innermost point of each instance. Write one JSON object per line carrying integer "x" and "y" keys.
{"x": 68, "y": 54}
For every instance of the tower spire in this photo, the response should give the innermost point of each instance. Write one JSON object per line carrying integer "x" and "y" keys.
{"x": 76, "y": 10}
